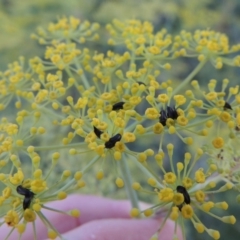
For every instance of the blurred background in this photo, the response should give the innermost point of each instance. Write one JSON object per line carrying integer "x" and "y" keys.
{"x": 20, "y": 18}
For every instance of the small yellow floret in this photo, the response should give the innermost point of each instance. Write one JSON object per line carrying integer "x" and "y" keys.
{"x": 129, "y": 137}
{"x": 56, "y": 155}
{"x": 72, "y": 151}
{"x": 75, "y": 213}
{"x": 180, "y": 166}
{"x": 100, "y": 175}
{"x": 52, "y": 234}
{"x": 29, "y": 215}
{"x": 172, "y": 130}
{"x": 166, "y": 195}
{"x": 66, "y": 174}
{"x": 167, "y": 66}
{"x": 117, "y": 155}
{"x": 78, "y": 175}
{"x": 41, "y": 130}
{"x": 178, "y": 199}
{"x": 187, "y": 211}
{"x": 148, "y": 212}
{"x": 213, "y": 233}
{"x": 21, "y": 228}
{"x": 200, "y": 176}
{"x": 30, "y": 149}
{"x": 182, "y": 121}
{"x": 229, "y": 219}
{"x": 119, "y": 182}
{"x": 81, "y": 184}
{"x": 134, "y": 212}
{"x": 136, "y": 186}
{"x": 151, "y": 113}
{"x": 152, "y": 182}
{"x": 11, "y": 218}
{"x": 207, "y": 206}
{"x": 200, "y": 196}
{"x": 199, "y": 227}
{"x": 225, "y": 116}
{"x": 222, "y": 205}
{"x": 174, "y": 213}
{"x": 218, "y": 142}
{"x": 62, "y": 195}
{"x": 163, "y": 98}
{"x": 170, "y": 177}
{"x": 36, "y": 207}
{"x": 158, "y": 128}
{"x": 19, "y": 142}
{"x": 142, "y": 157}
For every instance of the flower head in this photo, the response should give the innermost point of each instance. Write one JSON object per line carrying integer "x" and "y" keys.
{"x": 182, "y": 195}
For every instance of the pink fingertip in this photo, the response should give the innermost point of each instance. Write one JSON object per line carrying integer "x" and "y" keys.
{"x": 90, "y": 207}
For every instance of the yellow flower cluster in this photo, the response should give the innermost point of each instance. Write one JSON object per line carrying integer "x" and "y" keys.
{"x": 67, "y": 28}
{"x": 182, "y": 194}
{"x": 209, "y": 45}
{"x": 119, "y": 110}
{"x": 27, "y": 196}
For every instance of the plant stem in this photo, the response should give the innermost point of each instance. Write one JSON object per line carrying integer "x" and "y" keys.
{"x": 189, "y": 77}
{"x": 43, "y": 148}
{"x": 128, "y": 182}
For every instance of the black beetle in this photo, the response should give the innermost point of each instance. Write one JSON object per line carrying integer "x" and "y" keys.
{"x": 170, "y": 112}
{"x": 227, "y": 106}
{"x": 181, "y": 189}
{"x": 112, "y": 141}
{"x": 117, "y": 106}
{"x": 28, "y": 196}
{"x": 97, "y": 132}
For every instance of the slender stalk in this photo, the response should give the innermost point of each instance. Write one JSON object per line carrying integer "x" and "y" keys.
{"x": 9, "y": 234}
{"x": 147, "y": 172}
{"x": 49, "y": 224}
{"x": 128, "y": 182}
{"x": 34, "y": 231}
{"x": 183, "y": 229}
{"x": 189, "y": 77}
{"x": 43, "y": 148}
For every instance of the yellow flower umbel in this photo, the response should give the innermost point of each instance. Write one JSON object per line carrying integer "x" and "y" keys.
{"x": 226, "y": 159}
{"x": 181, "y": 195}
{"x": 118, "y": 108}
{"x": 209, "y": 45}
{"x": 220, "y": 110}
{"x": 26, "y": 197}
{"x": 67, "y": 28}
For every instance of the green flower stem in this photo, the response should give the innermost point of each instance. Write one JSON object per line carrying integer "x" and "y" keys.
{"x": 126, "y": 175}
{"x": 83, "y": 76}
{"x": 183, "y": 229}
{"x": 164, "y": 221}
{"x": 189, "y": 77}
{"x": 198, "y": 123}
{"x": 49, "y": 224}
{"x": 7, "y": 100}
{"x": 217, "y": 178}
{"x": 34, "y": 231}
{"x": 91, "y": 163}
{"x": 70, "y": 183}
{"x": 50, "y": 189}
{"x": 147, "y": 171}
{"x": 43, "y": 148}
{"x": 9, "y": 234}
{"x": 54, "y": 210}
{"x": 50, "y": 112}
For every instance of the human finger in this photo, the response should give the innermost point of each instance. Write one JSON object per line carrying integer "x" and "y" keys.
{"x": 91, "y": 208}
{"x": 118, "y": 229}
